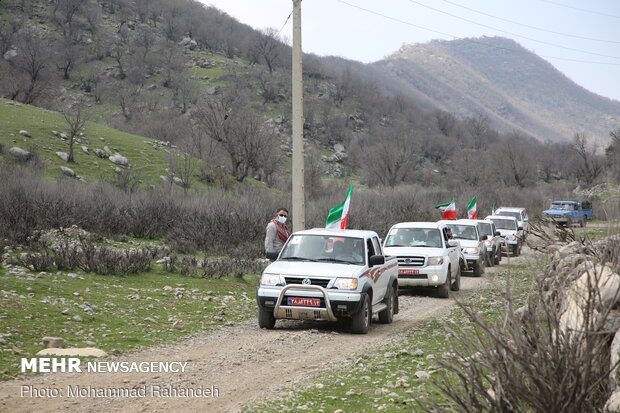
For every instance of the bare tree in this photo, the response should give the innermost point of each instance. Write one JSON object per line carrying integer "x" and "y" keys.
{"x": 75, "y": 124}
{"x": 64, "y": 12}
{"x": 33, "y": 60}
{"x": 612, "y": 153}
{"x": 229, "y": 121}
{"x": 512, "y": 163}
{"x": 268, "y": 47}
{"x": 590, "y": 166}
{"x": 67, "y": 56}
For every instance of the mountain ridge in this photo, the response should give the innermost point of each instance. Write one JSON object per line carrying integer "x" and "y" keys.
{"x": 497, "y": 78}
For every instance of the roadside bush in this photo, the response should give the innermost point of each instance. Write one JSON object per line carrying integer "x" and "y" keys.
{"x": 529, "y": 360}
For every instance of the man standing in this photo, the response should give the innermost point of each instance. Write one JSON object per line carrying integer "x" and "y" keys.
{"x": 277, "y": 232}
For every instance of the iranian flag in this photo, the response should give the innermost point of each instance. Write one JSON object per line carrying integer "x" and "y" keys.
{"x": 448, "y": 209}
{"x": 338, "y": 216}
{"x": 472, "y": 209}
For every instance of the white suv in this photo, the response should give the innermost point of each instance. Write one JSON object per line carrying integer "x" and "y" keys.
{"x": 518, "y": 213}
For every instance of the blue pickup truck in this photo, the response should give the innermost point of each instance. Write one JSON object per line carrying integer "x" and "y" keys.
{"x": 570, "y": 212}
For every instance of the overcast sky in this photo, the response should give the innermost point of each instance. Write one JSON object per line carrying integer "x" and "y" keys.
{"x": 581, "y": 38}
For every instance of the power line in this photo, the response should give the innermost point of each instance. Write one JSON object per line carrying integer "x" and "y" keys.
{"x": 513, "y": 34}
{"x": 530, "y": 26}
{"x": 584, "y": 10}
{"x": 285, "y": 22}
{"x": 469, "y": 40}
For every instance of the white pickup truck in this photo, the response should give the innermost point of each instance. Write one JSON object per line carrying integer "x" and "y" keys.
{"x": 467, "y": 233}
{"x": 511, "y": 233}
{"x": 426, "y": 257}
{"x": 334, "y": 275}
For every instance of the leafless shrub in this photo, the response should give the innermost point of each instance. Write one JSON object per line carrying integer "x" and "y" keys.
{"x": 528, "y": 360}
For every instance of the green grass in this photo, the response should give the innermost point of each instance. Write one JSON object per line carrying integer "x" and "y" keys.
{"x": 385, "y": 379}
{"x": 130, "y": 312}
{"x": 147, "y": 163}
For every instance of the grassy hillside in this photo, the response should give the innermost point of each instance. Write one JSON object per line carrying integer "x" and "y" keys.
{"x": 146, "y": 162}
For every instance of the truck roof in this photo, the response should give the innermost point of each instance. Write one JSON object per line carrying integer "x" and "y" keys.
{"x": 355, "y": 233}
{"x": 565, "y": 202}
{"x": 435, "y": 225}
{"x": 501, "y": 217}
{"x": 515, "y": 209}
{"x": 458, "y": 221}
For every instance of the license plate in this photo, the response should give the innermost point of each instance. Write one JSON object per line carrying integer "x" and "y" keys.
{"x": 407, "y": 271}
{"x": 306, "y": 302}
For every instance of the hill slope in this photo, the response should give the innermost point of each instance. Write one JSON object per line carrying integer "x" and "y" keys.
{"x": 497, "y": 78}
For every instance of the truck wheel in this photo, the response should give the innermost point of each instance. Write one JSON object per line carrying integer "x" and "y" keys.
{"x": 386, "y": 316}
{"x": 478, "y": 270}
{"x": 582, "y": 223}
{"x": 266, "y": 319}
{"x": 456, "y": 285}
{"x": 443, "y": 291}
{"x": 515, "y": 250}
{"x": 360, "y": 322}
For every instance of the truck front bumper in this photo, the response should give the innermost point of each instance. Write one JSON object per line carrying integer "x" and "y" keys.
{"x": 429, "y": 276}
{"x": 334, "y": 304}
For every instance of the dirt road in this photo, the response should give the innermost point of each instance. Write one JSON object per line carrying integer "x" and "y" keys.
{"x": 242, "y": 363}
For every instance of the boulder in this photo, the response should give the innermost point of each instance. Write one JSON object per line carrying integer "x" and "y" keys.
{"x": 613, "y": 403}
{"x": 25, "y": 133}
{"x": 63, "y": 155}
{"x": 339, "y": 147}
{"x": 119, "y": 160}
{"x": 84, "y": 352}
{"x": 55, "y": 133}
{"x": 53, "y": 342}
{"x": 20, "y": 154}
{"x": 85, "y": 149}
{"x": 101, "y": 154}
{"x": 67, "y": 172}
{"x": 615, "y": 358}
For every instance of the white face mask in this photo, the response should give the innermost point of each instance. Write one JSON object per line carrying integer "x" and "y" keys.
{"x": 281, "y": 220}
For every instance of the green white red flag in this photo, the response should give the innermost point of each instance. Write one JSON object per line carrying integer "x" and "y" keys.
{"x": 472, "y": 209}
{"x": 448, "y": 209}
{"x": 338, "y": 217}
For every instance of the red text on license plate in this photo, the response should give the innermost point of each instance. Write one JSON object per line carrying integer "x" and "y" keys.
{"x": 407, "y": 271}
{"x": 309, "y": 302}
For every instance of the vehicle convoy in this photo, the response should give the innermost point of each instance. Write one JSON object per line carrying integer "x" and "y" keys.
{"x": 570, "y": 212}
{"x": 510, "y": 232}
{"x": 493, "y": 243}
{"x": 333, "y": 275}
{"x": 466, "y": 232}
{"x": 426, "y": 257}
{"x": 519, "y": 214}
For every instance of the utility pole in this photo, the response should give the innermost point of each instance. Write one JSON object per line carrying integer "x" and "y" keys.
{"x": 299, "y": 203}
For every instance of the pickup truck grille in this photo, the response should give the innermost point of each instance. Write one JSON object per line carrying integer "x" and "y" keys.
{"x": 321, "y": 282}
{"x": 411, "y": 262}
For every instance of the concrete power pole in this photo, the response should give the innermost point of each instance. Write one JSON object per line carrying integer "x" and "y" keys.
{"x": 299, "y": 203}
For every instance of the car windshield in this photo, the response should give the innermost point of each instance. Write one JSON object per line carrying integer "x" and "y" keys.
{"x": 510, "y": 214}
{"x": 414, "y": 237}
{"x": 505, "y": 224}
{"x": 463, "y": 231}
{"x": 565, "y": 207}
{"x": 485, "y": 229}
{"x": 324, "y": 248}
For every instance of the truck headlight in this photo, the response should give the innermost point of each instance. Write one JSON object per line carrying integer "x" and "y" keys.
{"x": 272, "y": 279}
{"x": 510, "y": 237}
{"x": 345, "y": 283}
{"x": 487, "y": 243}
{"x": 435, "y": 261}
{"x": 471, "y": 251}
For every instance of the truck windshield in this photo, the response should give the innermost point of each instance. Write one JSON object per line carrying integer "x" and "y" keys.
{"x": 510, "y": 214}
{"x": 414, "y": 237}
{"x": 565, "y": 207}
{"x": 324, "y": 248}
{"x": 464, "y": 232}
{"x": 485, "y": 229}
{"x": 505, "y": 224}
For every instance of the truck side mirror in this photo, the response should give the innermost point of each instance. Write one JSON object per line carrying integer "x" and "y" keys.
{"x": 520, "y": 228}
{"x": 497, "y": 233}
{"x": 376, "y": 260}
{"x": 272, "y": 255}
{"x": 484, "y": 238}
